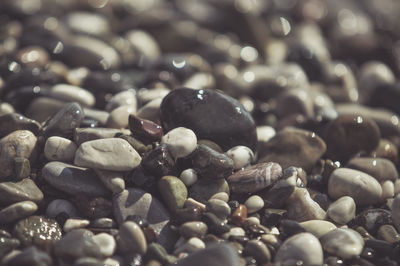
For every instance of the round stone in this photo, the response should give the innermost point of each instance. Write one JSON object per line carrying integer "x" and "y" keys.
{"x": 342, "y": 210}
{"x": 221, "y": 196}
{"x": 114, "y": 154}
{"x": 131, "y": 238}
{"x": 363, "y": 188}
{"x": 345, "y": 243}
{"x": 173, "y": 191}
{"x": 242, "y": 156}
{"x": 303, "y": 247}
{"x": 258, "y": 250}
{"x": 181, "y": 141}
{"x": 106, "y": 243}
{"x": 204, "y": 189}
{"x": 220, "y": 208}
{"x": 188, "y": 177}
{"x": 231, "y": 125}
{"x": 17, "y": 211}
{"x": 192, "y": 245}
{"x": 254, "y": 204}
{"x": 387, "y": 190}
{"x": 127, "y": 97}
{"x": 59, "y": 149}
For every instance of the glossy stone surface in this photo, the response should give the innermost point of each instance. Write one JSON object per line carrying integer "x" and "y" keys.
{"x": 232, "y": 126}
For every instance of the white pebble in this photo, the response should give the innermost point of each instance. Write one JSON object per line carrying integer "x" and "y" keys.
{"x": 265, "y": 133}
{"x": 72, "y": 224}
{"x": 106, "y": 243}
{"x": 188, "y": 177}
{"x": 59, "y": 149}
{"x": 254, "y": 204}
{"x": 387, "y": 189}
{"x": 181, "y": 142}
{"x": 242, "y": 156}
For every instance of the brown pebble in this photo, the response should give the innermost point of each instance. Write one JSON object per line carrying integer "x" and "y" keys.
{"x": 239, "y": 215}
{"x": 145, "y": 128}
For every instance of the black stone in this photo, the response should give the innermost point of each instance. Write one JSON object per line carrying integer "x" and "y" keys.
{"x": 159, "y": 162}
{"x": 64, "y": 122}
{"x": 210, "y": 163}
{"x": 276, "y": 196}
{"x": 211, "y": 115}
{"x": 290, "y": 227}
{"x": 372, "y": 219}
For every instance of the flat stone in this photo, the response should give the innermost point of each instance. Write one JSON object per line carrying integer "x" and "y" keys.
{"x": 114, "y": 181}
{"x": 24, "y": 190}
{"x": 363, "y": 188}
{"x": 381, "y": 169}
{"x": 318, "y": 227}
{"x": 137, "y": 202}
{"x": 293, "y": 147}
{"x": 204, "y": 189}
{"x": 213, "y": 255}
{"x": 82, "y": 135}
{"x": 31, "y": 256}
{"x": 232, "y": 126}
{"x": 15, "y": 121}
{"x": 242, "y": 156}
{"x": 342, "y": 210}
{"x": 17, "y": 211}
{"x": 131, "y": 238}
{"x": 173, "y": 191}
{"x": 73, "y": 180}
{"x": 37, "y": 230}
{"x": 345, "y": 243}
{"x": 211, "y": 164}
{"x": 59, "y": 149}
{"x": 301, "y": 207}
{"x": 303, "y": 247}
{"x": 77, "y": 244}
{"x": 114, "y": 154}
{"x": 180, "y": 141}
{"x": 106, "y": 243}
{"x": 19, "y": 143}
{"x": 255, "y": 177}
{"x": 64, "y": 122}
{"x": 70, "y": 93}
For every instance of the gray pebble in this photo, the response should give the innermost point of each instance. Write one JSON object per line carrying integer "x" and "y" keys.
{"x": 106, "y": 243}
{"x": 342, "y": 210}
{"x": 31, "y": 256}
{"x": 301, "y": 207}
{"x": 193, "y": 244}
{"x": 188, "y": 177}
{"x": 114, "y": 181}
{"x": 181, "y": 141}
{"x": 17, "y": 211}
{"x": 82, "y": 135}
{"x": 205, "y": 188}
{"x": 131, "y": 238}
{"x": 24, "y": 190}
{"x": 59, "y": 149}
{"x": 221, "y": 196}
{"x": 388, "y": 233}
{"x": 345, "y": 243}
{"x": 58, "y": 206}
{"x": 193, "y": 229}
{"x": 380, "y": 168}
{"x": 119, "y": 117}
{"x": 71, "y": 93}
{"x": 318, "y": 227}
{"x": 258, "y": 250}
{"x": 254, "y": 204}
{"x": 220, "y": 208}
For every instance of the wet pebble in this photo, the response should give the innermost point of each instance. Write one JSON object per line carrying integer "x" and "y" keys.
{"x": 180, "y": 141}
{"x": 192, "y": 245}
{"x": 301, "y": 207}
{"x": 131, "y": 238}
{"x": 17, "y": 211}
{"x": 144, "y": 128}
{"x": 345, "y": 243}
{"x": 218, "y": 207}
{"x": 114, "y": 154}
{"x": 188, "y": 177}
{"x": 380, "y": 168}
{"x": 258, "y": 250}
{"x": 24, "y": 190}
{"x": 388, "y": 233}
{"x": 173, "y": 191}
{"x": 342, "y": 210}
{"x": 254, "y": 204}
{"x": 232, "y": 127}
{"x": 75, "y": 223}
{"x": 363, "y": 188}
{"x": 242, "y": 156}
{"x": 59, "y": 149}
{"x": 193, "y": 229}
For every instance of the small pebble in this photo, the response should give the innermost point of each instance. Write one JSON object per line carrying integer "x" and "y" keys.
{"x": 119, "y": 117}
{"x": 342, "y": 210}
{"x": 131, "y": 238}
{"x": 218, "y": 207}
{"x": 181, "y": 142}
{"x": 318, "y": 227}
{"x": 194, "y": 244}
{"x": 242, "y": 156}
{"x": 114, "y": 181}
{"x": 72, "y": 224}
{"x": 258, "y": 250}
{"x": 17, "y": 211}
{"x": 345, "y": 243}
{"x": 254, "y": 204}
{"x": 59, "y": 149}
{"x": 107, "y": 244}
{"x": 31, "y": 256}
{"x": 387, "y": 190}
{"x": 173, "y": 191}
{"x": 193, "y": 229}
{"x": 388, "y": 233}
{"x": 221, "y": 196}
{"x": 301, "y": 207}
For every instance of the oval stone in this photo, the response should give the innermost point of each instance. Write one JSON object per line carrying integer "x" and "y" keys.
{"x": 223, "y": 119}
{"x": 342, "y": 210}
{"x": 59, "y": 149}
{"x": 345, "y": 243}
{"x": 380, "y": 168}
{"x": 363, "y": 188}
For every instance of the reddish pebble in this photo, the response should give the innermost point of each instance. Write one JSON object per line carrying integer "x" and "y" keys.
{"x": 239, "y": 215}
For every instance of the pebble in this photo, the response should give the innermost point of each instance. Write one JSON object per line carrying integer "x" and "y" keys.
{"x": 194, "y": 244}
{"x": 265, "y": 133}
{"x": 173, "y": 191}
{"x": 212, "y": 255}
{"x": 380, "y": 168}
{"x": 258, "y": 250}
{"x": 73, "y": 180}
{"x": 144, "y": 128}
{"x": 301, "y": 207}
{"x": 31, "y": 256}
{"x": 345, "y": 243}
{"x": 122, "y": 98}
{"x": 272, "y": 217}
{"x": 114, "y": 181}
{"x": 17, "y": 211}
{"x": 58, "y": 206}
{"x": 19, "y": 143}
{"x": 318, "y": 227}
{"x": 151, "y": 110}
{"x": 254, "y": 204}
{"x": 180, "y": 141}
{"x": 211, "y": 164}
{"x": 363, "y": 188}
{"x": 72, "y": 224}
{"x": 6, "y": 108}
{"x": 234, "y": 232}
{"x": 239, "y": 215}
{"x": 215, "y": 225}
{"x": 350, "y": 134}
{"x": 37, "y": 230}
{"x": 82, "y": 135}
{"x": 396, "y": 212}
{"x": 135, "y": 201}
{"x": 114, "y": 154}
{"x": 301, "y": 248}
{"x": 277, "y": 195}
{"x": 70, "y": 93}
{"x": 254, "y": 178}
{"x": 77, "y": 244}
{"x": 388, "y": 233}
{"x": 242, "y": 156}
{"x": 293, "y": 147}
{"x": 15, "y": 121}
{"x": 233, "y": 126}
{"x": 64, "y": 122}
{"x": 131, "y": 238}
{"x": 387, "y": 190}
{"x": 221, "y": 196}
{"x": 205, "y": 188}
{"x": 188, "y": 177}
{"x": 103, "y": 223}
{"x": 372, "y": 219}
{"x": 159, "y": 161}
{"x": 119, "y": 117}
{"x": 218, "y": 207}
{"x": 343, "y": 210}
{"x": 59, "y": 149}
{"x": 24, "y": 190}
{"x": 193, "y": 229}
